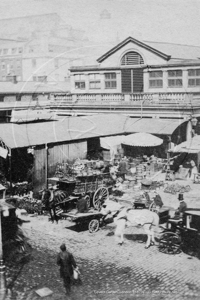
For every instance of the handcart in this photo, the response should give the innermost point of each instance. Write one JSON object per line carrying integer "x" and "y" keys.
{"x": 92, "y": 219}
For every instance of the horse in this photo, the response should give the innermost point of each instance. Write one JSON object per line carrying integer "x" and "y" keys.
{"x": 52, "y": 198}
{"x": 134, "y": 217}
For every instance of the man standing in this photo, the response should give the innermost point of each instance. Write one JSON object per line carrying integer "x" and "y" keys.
{"x": 122, "y": 170}
{"x": 182, "y": 207}
{"x": 66, "y": 262}
{"x": 82, "y": 205}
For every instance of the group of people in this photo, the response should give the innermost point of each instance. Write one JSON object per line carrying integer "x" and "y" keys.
{"x": 118, "y": 168}
{"x": 158, "y": 203}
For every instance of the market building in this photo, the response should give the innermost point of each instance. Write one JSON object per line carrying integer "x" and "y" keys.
{"x": 133, "y": 66}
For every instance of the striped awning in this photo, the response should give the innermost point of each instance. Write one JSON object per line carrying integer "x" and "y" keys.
{"x": 142, "y": 139}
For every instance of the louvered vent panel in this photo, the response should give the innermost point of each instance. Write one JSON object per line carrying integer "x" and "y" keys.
{"x": 132, "y": 58}
{"x": 126, "y": 81}
{"x": 137, "y": 80}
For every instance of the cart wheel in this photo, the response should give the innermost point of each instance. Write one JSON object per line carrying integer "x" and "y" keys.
{"x": 170, "y": 243}
{"x": 93, "y": 226}
{"x": 87, "y": 198}
{"x": 100, "y": 195}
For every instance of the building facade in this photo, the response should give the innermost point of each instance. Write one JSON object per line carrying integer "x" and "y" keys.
{"x": 136, "y": 67}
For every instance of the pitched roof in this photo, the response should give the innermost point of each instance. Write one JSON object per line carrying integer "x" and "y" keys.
{"x": 167, "y": 51}
{"x": 177, "y": 51}
{"x": 134, "y": 41}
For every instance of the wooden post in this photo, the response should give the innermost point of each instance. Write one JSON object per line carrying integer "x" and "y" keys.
{"x": 10, "y": 169}
{"x": 46, "y": 166}
{"x": 2, "y": 266}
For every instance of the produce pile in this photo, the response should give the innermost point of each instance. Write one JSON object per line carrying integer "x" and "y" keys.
{"x": 176, "y": 188}
{"x": 31, "y": 205}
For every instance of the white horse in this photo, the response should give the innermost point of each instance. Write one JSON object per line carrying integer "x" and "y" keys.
{"x": 134, "y": 217}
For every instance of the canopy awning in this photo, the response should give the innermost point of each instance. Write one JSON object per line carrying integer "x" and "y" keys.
{"x": 65, "y": 130}
{"x": 190, "y": 146}
{"x": 111, "y": 141}
{"x": 142, "y": 139}
{"x": 154, "y": 126}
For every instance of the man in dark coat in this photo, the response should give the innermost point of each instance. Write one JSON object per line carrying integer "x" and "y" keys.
{"x": 82, "y": 205}
{"x": 182, "y": 206}
{"x": 122, "y": 170}
{"x": 66, "y": 262}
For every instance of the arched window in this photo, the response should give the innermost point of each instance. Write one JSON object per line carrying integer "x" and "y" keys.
{"x": 132, "y": 58}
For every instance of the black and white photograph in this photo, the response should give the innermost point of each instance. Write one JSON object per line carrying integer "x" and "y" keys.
{"x": 99, "y": 149}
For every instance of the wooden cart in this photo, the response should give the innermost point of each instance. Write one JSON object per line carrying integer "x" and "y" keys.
{"x": 94, "y": 187}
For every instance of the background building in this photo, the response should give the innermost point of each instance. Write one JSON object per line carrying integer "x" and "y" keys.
{"x": 38, "y": 48}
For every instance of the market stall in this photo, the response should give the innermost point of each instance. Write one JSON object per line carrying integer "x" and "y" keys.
{"x": 187, "y": 164}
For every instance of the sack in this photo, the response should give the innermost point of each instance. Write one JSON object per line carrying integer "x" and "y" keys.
{"x": 76, "y": 274}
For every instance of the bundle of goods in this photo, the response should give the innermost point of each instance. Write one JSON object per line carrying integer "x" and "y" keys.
{"x": 87, "y": 168}
{"x": 151, "y": 185}
{"x": 176, "y": 188}
{"x": 30, "y": 205}
{"x": 64, "y": 170}
{"x": 20, "y": 188}
{"x": 117, "y": 193}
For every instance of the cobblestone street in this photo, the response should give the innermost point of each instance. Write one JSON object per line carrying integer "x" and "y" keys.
{"x": 108, "y": 271}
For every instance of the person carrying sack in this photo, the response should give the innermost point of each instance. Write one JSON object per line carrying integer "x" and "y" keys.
{"x": 67, "y": 265}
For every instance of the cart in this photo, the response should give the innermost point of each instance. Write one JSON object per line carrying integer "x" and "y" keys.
{"x": 92, "y": 219}
{"x": 181, "y": 233}
{"x": 94, "y": 187}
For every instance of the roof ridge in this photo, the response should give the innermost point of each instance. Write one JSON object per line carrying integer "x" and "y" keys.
{"x": 170, "y": 43}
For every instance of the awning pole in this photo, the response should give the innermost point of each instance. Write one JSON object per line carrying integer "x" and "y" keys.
{"x": 10, "y": 169}
{"x": 46, "y": 167}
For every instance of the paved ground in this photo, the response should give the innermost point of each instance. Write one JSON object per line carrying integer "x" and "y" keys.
{"x": 108, "y": 271}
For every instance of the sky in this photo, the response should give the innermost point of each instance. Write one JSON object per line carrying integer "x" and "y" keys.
{"x": 173, "y": 21}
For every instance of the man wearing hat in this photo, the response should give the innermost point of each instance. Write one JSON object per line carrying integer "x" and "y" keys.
{"x": 182, "y": 206}
{"x": 66, "y": 262}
